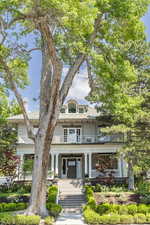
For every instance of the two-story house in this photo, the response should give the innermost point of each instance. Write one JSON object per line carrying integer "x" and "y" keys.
{"x": 78, "y": 145}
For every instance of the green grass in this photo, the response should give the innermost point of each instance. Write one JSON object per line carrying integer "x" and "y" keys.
{"x": 13, "y": 194}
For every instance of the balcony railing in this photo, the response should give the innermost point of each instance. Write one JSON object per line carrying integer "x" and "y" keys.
{"x": 87, "y": 139}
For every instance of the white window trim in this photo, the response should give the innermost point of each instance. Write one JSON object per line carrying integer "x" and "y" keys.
{"x": 75, "y": 132}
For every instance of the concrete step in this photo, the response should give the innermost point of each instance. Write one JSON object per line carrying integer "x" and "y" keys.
{"x": 71, "y": 203}
{"x": 72, "y": 197}
{"x": 72, "y": 207}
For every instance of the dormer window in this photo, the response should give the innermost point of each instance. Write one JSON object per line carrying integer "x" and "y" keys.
{"x": 72, "y": 108}
{"x": 63, "y": 110}
{"x": 81, "y": 110}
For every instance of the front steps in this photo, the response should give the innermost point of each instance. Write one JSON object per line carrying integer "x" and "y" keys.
{"x": 71, "y": 196}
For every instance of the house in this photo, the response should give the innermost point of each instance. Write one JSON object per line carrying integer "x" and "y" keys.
{"x": 78, "y": 145}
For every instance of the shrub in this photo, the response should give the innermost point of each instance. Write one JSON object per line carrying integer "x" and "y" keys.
{"x": 24, "y": 220}
{"x": 54, "y": 209}
{"x": 126, "y": 219}
{"x": 143, "y": 209}
{"x": 52, "y": 193}
{"x": 103, "y": 208}
{"x": 145, "y": 199}
{"x": 139, "y": 218}
{"x": 21, "y": 206}
{"x": 105, "y": 219}
{"x": 98, "y": 188}
{"x": 148, "y": 218}
{"x": 5, "y": 207}
{"x": 49, "y": 220}
{"x": 91, "y": 217}
{"x": 123, "y": 210}
{"x": 92, "y": 203}
{"x": 114, "y": 219}
{"x": 16, "y": 187}
{"x": 7, "y": 218}
{"x": 143, "y": 188}
{"x": 114, "y": 208}
{"x": 132, "y": 209}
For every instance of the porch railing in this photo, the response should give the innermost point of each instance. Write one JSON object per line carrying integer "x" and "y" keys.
{"x": 87, "y": 139}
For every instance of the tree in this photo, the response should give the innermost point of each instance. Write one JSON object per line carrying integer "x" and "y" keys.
{"x": 125, "y": 99}
{"x": 66, "y": 33}
{"x": 8, "y": 138}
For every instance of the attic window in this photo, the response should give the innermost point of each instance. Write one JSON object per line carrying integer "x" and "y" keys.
{"x": 72, "y": 108}
{"x": 81, "y": 110}
{"x": 62, "y": 110}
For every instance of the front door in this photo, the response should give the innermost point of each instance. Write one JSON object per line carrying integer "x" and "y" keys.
{"x": 71, "y": 172}
{"x": 71, "y": 167}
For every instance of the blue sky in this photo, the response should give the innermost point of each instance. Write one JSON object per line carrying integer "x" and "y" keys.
{"x": 80, "y": 86}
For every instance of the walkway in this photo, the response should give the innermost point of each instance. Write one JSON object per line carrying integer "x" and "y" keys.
{"x": 72, "y": 199}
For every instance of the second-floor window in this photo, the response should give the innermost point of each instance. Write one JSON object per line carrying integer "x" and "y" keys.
{"x": 72, "y": 135}
{"x": 72, "y": 108}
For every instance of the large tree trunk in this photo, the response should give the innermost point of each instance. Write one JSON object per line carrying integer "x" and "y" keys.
{"x": 130, "y": 176}
{"x": 39, "y": 177}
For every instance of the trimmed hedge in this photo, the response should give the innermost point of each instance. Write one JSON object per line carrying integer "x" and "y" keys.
{"x": 52, "y": 193}
{"x": 91, "y": 217}
{"x": 49, "y": 220}
{"x": 5, "y": 207}
{"x": 54, "y": 209}
{"x": 9, "y": 219}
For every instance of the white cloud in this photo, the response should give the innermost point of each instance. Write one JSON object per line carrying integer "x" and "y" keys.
{"x": 80, "y": 87}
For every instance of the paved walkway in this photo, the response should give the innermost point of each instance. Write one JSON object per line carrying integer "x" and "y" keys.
{"x": 70, "y": 219}
{"x": 71, "y": 198}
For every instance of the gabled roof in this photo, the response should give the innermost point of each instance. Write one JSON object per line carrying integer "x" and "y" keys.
{"x": 89, "y": 115}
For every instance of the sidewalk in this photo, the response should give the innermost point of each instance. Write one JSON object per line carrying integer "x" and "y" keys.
{"x": 70, "y": 219}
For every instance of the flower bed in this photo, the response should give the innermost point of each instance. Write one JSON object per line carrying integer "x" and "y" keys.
{"x": 107, "y": 213}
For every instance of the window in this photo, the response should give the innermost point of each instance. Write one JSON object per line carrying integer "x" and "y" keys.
{"x": 81, "y": 110}
{"x": 62, "y": 110}
{"x": 72, "y": 135}
{"x": 72, "y": 108}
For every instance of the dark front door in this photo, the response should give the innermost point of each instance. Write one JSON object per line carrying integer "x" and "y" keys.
{"x": 71, "y": 173}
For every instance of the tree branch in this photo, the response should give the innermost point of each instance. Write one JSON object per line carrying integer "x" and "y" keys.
{"x": 56, "y": 71}
{"x": 19, "y": 98}
{"x": 76, "y": 65}
{"x": 70, "y": 76}
{"x": 91, "y": 82}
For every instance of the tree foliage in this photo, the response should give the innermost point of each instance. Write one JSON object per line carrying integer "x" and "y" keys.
{"x": 8, "y": 140}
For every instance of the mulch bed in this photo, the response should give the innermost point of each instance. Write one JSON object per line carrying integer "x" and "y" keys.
{"x": 116, "y": 198}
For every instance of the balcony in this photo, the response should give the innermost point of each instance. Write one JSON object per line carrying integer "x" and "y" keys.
{"x": 88, "y": 139}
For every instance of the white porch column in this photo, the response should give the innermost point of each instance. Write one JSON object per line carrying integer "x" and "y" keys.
{"x": 120, "y": 167}
{"x": 85, "y": 160}
{"x": 56, "y": 165}
{"x": 52, "y": 165}
{"x": 90, "y": 165}
{"x": 20, "y": 169}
